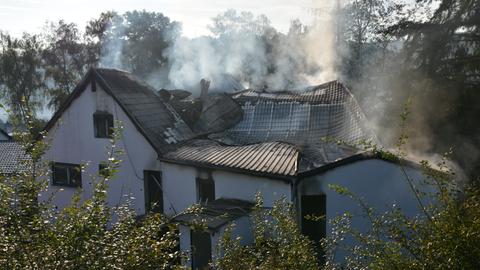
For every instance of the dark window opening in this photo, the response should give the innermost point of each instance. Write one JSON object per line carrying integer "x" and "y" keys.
{"x": 103, "y": 125}
{"x": 205, "y": 189}
{"x": 314, "y": 222}
{"x": 103, "y": 170}
{"x": 65, "y": 174}
{"x": 153, "y": 191}
{"x": 201, "y": 249}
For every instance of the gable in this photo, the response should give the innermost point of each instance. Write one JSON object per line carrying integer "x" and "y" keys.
{"x": 154, "y": 119}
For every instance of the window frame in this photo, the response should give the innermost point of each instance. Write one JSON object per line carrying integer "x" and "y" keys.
{"x": 160, "y": 208}
{"x": 102, "y": 169}
{"x": 107, "y": 119}
{"x": 203, "y": 184}
{"x": 200, "y": 237}
{"x": 69, "y": 167}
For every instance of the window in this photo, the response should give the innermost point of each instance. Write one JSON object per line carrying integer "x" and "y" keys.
{"x": 153, "y": 191}
{"x": 102, "y": 170}
{"x": 64, "y": 174}
{"x": 201, "y": 249}
{"x": 205, "y": 189}
{"x": 315, "y": 228}
{"x": 103, "y": 125}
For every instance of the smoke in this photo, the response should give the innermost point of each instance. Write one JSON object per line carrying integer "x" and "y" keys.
{"x": 206, "y": 57}
{"x": 320, "y": 44}
{"x": 255, "y": 54}
{"x": 111, "y": 54}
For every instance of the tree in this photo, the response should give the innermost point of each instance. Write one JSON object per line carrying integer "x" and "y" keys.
{"x": 34, "y": 235}
{"x": 21, "y": 77}
{"x": 96, "y": 34}
{"x": 442, "y": 63}
{"x": 64, "y": 60}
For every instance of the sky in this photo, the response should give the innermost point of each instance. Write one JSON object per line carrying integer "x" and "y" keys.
{"x": 17, "y": 16}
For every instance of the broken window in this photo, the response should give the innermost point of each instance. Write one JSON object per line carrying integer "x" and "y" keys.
{"x": 205, "y": 189}
{"x": 65, "y": 174}
{"x": 103, "y": 125}
{"x": 201, "y": 249}
{"x": 153, "y": 191}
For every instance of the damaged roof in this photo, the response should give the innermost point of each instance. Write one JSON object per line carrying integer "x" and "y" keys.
{"x": 325, "y": 112}
{"x": 217, "y": 213}
{"x": 155, "y": 119}
{"x": 332, "y": 92}
{"x": 270, "y": 158}
{"x": 281, "y": 134}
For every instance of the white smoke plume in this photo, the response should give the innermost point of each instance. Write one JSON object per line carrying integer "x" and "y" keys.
{"x": 112, "y": 48}
{"x": 260, "y": 57}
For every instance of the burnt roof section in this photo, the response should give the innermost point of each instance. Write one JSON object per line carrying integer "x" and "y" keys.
{"x": 219, "y": 112}
{"x": 217, "y": 213}
{"x": 321, "y": 113}
{"x": 274, "y": 159}
{"x": 156, "y": 120}
{"x": 332, "y": 92}
{"x": 13, "y": 158}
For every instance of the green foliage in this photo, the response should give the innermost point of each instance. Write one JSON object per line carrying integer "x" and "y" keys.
{"x": 444, "y": 235}
{"x": 85, "y": 235}
{"x": 278, "y": 242}
{"x": 21, "y": 81}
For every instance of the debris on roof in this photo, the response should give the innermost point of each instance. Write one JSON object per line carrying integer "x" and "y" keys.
{"x": 273, "y": 158}
{"x": 280, "y": 134}
{"x": 13, "y": 158}
{"x": 175, "y": 94}
{"x": 219, "y": 112}
{"x": 217, "y": 213}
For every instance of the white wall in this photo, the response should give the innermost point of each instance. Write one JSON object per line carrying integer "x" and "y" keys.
{"x": 380, "y": 183}
{"x": 72, "y": 141}
{"x": 244, "y": 187}
{"x": 179, "y": 186}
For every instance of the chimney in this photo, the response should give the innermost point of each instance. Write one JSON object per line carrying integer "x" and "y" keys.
{"x": 204, "y": 85}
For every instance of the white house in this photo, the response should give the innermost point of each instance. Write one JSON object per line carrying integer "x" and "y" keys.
{"x": 220, "y": 150}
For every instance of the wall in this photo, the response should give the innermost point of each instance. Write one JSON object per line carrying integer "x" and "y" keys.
{"x": 72, "y": 141}
{"x": 179, "y": 185}
{"x": 379, "y": 183}
{"x": 243, "y": 229}
{"x": 244, "y": 187}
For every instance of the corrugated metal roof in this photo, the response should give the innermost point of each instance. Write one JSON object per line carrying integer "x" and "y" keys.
{"x": 12, "y": 158}
{"x": 274, "y": 158}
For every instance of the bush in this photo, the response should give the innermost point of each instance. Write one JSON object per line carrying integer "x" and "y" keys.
{"x": 278, "y": 242}
{"x": 33, "y": 235}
